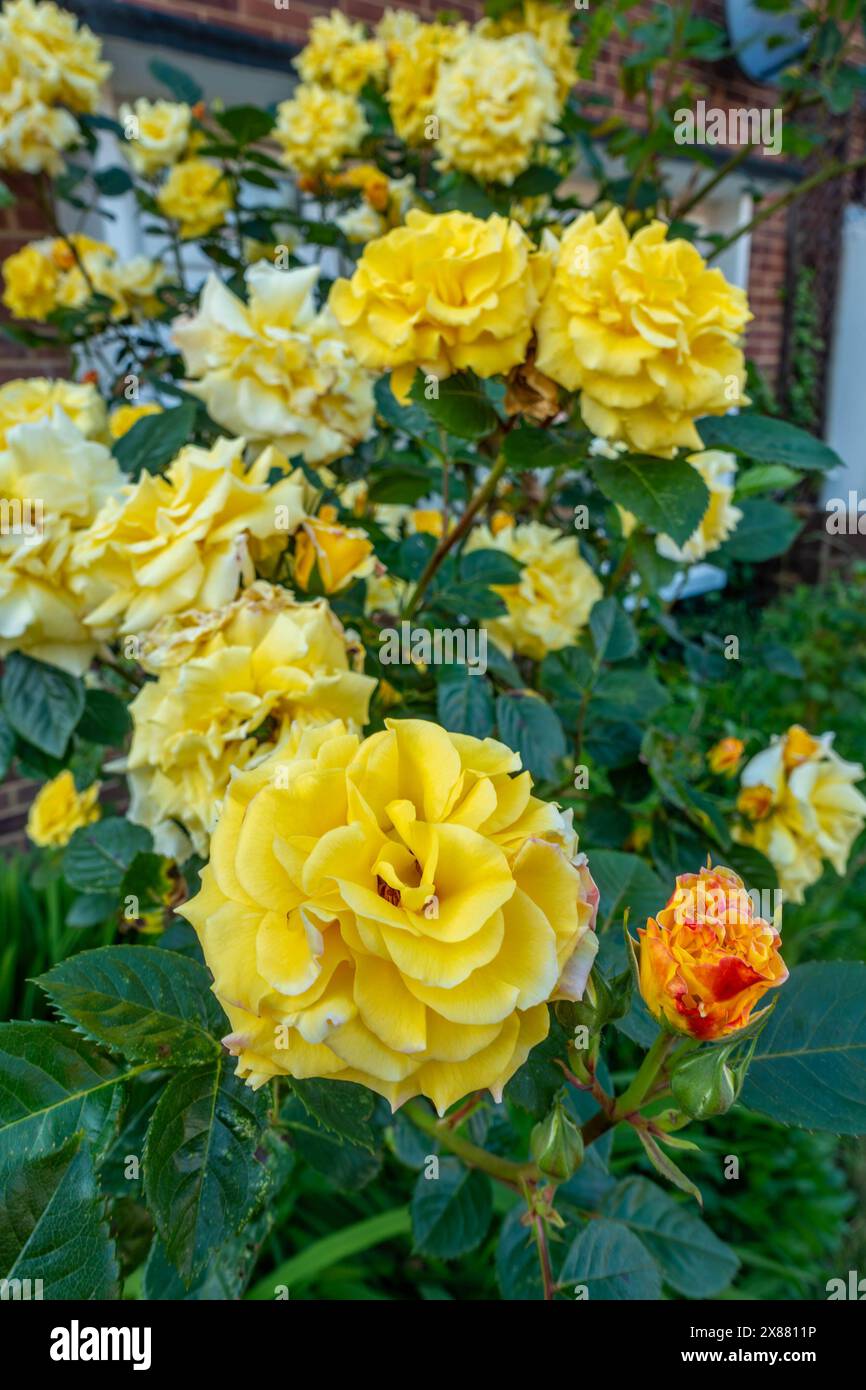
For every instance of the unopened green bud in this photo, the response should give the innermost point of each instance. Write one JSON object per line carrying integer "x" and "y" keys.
{"x": 556, "y": 1144}
{"x": 703, "y": 1084}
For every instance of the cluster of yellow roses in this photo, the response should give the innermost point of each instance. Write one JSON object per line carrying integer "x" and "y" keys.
{"x": 488, "y": 96}
{"x": 159, "y": 137}
{"x": 50, "y": 68}
{"x": 66, "y": 272}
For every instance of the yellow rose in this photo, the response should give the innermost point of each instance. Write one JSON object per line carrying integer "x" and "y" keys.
{"x": 61, "y": 58}
{"x": 554, "y": 596}
{"x": 340, "y": 55}
{"x": 275, "y": 368}
{"x": 35, "y": 398}
{"x": 719, "y": 521}
{"x": 395, "y": 29}
{"x": 646, "y": 333}
{"x": 230, "y": 684}
{"x": 190, "y": 538}
{"x": 196, "y": 195}
{"x": 317, "y": 128}
{"x": 446, "y": 292}
{"x": 803, "y": 807}
{"x": 706, "y": 960}
{"x": 33, "y": 135}
{"x": 134, "y": 284}
{"x": 414, "y": 75}
{"x": 551, "y": 27}
{"x": 156, "y": 133}
{"x": 395, "y": 912}
{"x": 496, "y": 102}
{"x": 123, "y": 417}
{"x": 53, "y": 481}
{"x": 30, "y": 283}
{"x": 724, "y": 756}
{"x": 58, "y": 810}
{"x": 340, "y": 553}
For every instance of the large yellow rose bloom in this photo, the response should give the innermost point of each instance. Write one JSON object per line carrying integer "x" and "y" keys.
{"x": 50, "y": 49}
{"x": 496, "y": 102}
{"x": 445, "y": 292}
{"x": 414, "y": 76}
{"x": 196, "y": 195}
{"x": 29, "y": 399}
{"x": 554, "y": 596}
{"x": 317, "y": 128}
{"x": 58, "y": 810}
{"x": 647, "y": 334}
{"x": 49, "y": 465}
{"x": 30, "y": 282}
{"x": 156, "y": 133}
{"x": 550, "y": 26}
{"x": 190, "y": 538}
{"x": 339, "y": 54}
{"x": 229, "y": 685}
{"x": 276, "y": 368}
{"x": 707, "y": 960}
{"x": 801, "y": 807}
{"x": 395, "y": 912}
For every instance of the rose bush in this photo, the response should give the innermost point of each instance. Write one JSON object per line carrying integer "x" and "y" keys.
{"x": 345, "y": 590}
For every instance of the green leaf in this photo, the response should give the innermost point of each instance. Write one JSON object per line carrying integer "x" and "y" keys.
{"x": 112, "y": 183}
{"x": 611, "y": 1263}
{"x": 342, "y": 1107}
{"x": 7, "y": 197}
{"x": 155, "y": 440}
{"x": 534, "y": 1085}
{"x": 809, "y": 1067}
{"x": 334, "y": 1249}
{"x": 626, "y": 695}
{"x": 52, "y": 1084}
{"x": 181, "y": 86}
{"x": 90, "y": 909}
{"x": 409, "y": 418}
{"x": 612, "y": 631}
{"x": 42, "y": 703}
{"x": 105, "y": 719}
{"x": 490, "y": 567}
{"x": 625, "y": 881}
{"x": 98, "y": 855}
{"x": 765, "y": 477}
{"x": 767, "y": 441}
{"x": 692, "y": 1259}
{"x": 517, "y": 1269}
{"x": 531, "y": 447}
{"x": 461, "y": 406}
{"x": 344, "y": 1164}
{"x": 451, "y": 1212}
{"x": 201, "y": 1174}
{"x": 668, "y": 495}
{"x": 148, "y": 1004}
{"x": 765, "y": 530}
{"x": 7, "y": 744}
{"x": 566, "y": 676}
{"x": 246, "y": 124}
{"x": 464, "y": 703}
{"x": 53, "y": 1227}
{"x": 664, "y": 1164}
{"x": 529, "y": 726}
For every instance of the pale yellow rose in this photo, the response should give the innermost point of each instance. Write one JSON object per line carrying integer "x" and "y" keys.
{"x": 554, "y": 596}
{"x": 721, "y": 519}
{"x": 496, "y": 103}
{"x": 414, "y": 75}
{"x": 446, "y": 292}
{"x": 196, "y": 195}
{"x": 395, "y": 29}
{"x": 58, "y": 810}
{"x": 123, "y": 417}
{"x": 156, "y": 133}
{"x": 647, "y": 334}
{"x": 29, "y": 399}
{"x": 803, "y": 808}
{"x": 30, "y": 282}
{"x": 53, "y": 482}
{"x": 339, "y": 54}
{"x": 133, "y": 285}
{"x": 33, "y": 135}
{"x": 52, "y": 50}
{"x": 230, "y": 685}
{"x": 395, "y": 912}
{"x": 317, "y": 128}
{"x": 550, "y": 25}
{"x": 276, "y": 368}
{"x": 190, "y": 538}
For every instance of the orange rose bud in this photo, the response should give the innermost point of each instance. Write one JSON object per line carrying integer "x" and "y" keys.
{"x": 724, "y": 756}
{"x": 755, "y": 802}
{"x": 707, "y": 960}
{"x": 800, "y": 746}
